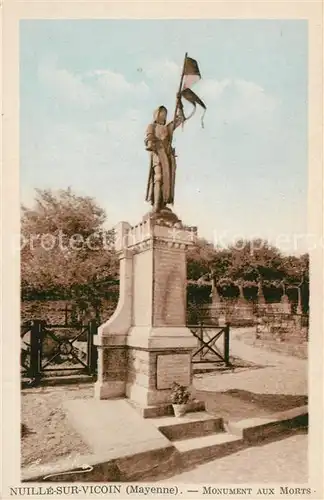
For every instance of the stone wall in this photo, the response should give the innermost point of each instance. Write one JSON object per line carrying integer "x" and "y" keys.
{"x": 51, "y": 311}
{"x": 290, "y": 328}
{"x": 57, "y": 311}
{"x": 271, "y": 321}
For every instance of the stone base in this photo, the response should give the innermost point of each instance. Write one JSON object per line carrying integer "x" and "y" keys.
{"x": 112, "y": 366}
{"x": 145, "y": 396}
{"x": 151, "y": 373}
{"x": 164, "y": 217}
{"x": 165, "y": 338}
{"x": 163, "y": 410}
{"x": 145, "y": 346}
{"x": 109, "y": 390}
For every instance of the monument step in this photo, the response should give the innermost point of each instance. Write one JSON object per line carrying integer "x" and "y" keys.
{"x": 162, "y": 410}
{"x": 256, "y": 429}
{"x": 191, "y": 425}
{"x": 205, "y": 448}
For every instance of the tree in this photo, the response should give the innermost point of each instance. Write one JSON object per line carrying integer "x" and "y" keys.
{"x": 221, "y": 264}
{"x": 255, "y": 260}
{"x": 297, "y": 277}
{"x": 248, "y": 262}
{"x": 199, "y": 259}
{"x": 66, "y": 250}
{"x": 296, "y": 269}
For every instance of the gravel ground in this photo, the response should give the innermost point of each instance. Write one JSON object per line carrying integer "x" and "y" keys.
{"x": 237, "y": 404}
{"x": 50, "y": 437}
{"x": 281, "y": 378}
{"x": 47, "y": 435}
{"x": 273, "y": 383}
{"x": 297, "y": 349}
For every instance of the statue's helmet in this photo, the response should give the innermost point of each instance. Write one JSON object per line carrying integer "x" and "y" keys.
{"x": 158, "y": 111}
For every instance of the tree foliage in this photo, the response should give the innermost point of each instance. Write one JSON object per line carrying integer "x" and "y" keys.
{"x": 254, "y": 260}
{"x": 248, "y": 263}
{"x": 199, "y": 259}
{"x": 66, "y": 250}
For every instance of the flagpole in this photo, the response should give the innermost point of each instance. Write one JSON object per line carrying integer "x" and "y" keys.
{"x": 177, "y": 102}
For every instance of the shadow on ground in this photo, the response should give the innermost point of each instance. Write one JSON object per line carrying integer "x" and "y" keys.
{"x": 237, "y": 404}
{"x": 211, "y": 365}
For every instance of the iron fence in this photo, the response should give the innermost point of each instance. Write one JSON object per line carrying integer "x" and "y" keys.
{"x": 48, "y": 349}
{"x": 209, "y": 348}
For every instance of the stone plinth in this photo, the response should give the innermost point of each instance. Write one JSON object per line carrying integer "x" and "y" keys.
{"x": 285, "y": 304}
{"x": 145, "y": 346}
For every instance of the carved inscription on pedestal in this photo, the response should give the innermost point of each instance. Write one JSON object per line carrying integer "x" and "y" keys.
{"x": 173, "y": 368}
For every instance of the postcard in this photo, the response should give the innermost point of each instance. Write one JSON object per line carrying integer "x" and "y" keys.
{"x": 162, "y": 243}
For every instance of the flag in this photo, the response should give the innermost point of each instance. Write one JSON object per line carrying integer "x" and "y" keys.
{"x": 191, "y": 97}
{"x": 191, "y": 73}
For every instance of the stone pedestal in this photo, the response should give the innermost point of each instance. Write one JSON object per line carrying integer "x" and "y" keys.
{"x": 243, "y": 310}
{"x": 145, "y": 346}
{"x": 299, "y": 303}
{"x": 285, "y": 304}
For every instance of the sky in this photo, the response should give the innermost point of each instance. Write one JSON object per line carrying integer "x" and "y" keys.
{"x": 88, "y": 89}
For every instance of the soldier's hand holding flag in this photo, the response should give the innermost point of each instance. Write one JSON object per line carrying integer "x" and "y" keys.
{"x": 161, "y": 181}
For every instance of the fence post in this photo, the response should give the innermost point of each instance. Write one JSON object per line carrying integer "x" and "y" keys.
{"x": 35, "y": 350}
{"x": 66, "y": 314}
{"x": 201, "y": 354}
{"x": 226, "y": 344}
{"x": 92, "y": 350}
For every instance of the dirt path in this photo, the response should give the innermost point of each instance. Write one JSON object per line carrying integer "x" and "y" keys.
{"x": 49, "y": 436}
{"x": 275, "y": 383}
{"x": 259, "y": 354}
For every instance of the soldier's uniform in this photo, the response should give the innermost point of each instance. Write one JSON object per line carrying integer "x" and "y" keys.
{"x": 160, "y": 188}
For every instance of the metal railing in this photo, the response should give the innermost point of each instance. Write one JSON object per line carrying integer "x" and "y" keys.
{"x": 57, "y": 348}
{"x": 209, "y": 348}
